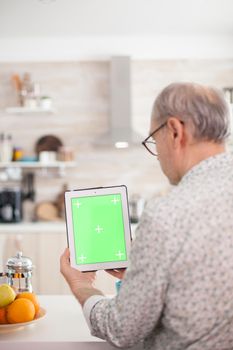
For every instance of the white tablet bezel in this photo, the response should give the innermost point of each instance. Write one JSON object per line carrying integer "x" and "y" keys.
{"x": 69, "y": 225}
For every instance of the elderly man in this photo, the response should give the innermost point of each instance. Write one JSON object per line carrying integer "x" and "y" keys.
{"x": 178, "y": 291}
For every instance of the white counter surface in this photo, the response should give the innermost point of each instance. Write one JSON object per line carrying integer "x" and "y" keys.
{"x": 64, "y": 322}
{"x": 63, "y": 328}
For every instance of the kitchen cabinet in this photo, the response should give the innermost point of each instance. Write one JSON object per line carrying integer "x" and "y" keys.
{"x": 44, "y": 249}
{"x": 44, "y": 243}
{"x": 44, "y": 246}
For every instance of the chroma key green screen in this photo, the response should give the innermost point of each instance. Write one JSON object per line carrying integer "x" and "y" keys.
{"x": 98, "y": 229}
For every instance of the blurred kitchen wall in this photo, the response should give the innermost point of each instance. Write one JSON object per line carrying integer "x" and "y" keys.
{"x": 80, "y": 93}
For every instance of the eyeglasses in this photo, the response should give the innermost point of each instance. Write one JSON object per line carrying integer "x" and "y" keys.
{"x": 150, "y": 144}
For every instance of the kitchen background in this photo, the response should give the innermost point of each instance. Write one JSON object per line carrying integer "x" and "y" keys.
{"x": 76, "y": 78}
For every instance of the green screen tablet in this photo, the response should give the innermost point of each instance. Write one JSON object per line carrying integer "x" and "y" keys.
{"x": 98, "y": 228}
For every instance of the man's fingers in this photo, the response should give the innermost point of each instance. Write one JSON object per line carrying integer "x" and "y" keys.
{"x": 65, "y": 259}
{"x": 113, "y": 273}
{"x": 66, "y": 254}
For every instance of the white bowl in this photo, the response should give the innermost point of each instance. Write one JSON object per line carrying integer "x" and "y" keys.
{"x": 9, "y": 327}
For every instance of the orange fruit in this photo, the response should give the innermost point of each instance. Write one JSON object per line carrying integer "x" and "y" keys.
{"x": 21, "y": 310}
{"x": 32, "y": 297}
{"x": 3, "y": 315}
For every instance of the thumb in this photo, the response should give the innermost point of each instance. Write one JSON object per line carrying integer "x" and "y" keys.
{"x": 67, "y": 253}
{"x": 65, "y": 258}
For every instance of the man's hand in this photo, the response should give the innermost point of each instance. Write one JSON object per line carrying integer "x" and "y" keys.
{"x": 81, "y": 283}
{"x": 119, "y": 273}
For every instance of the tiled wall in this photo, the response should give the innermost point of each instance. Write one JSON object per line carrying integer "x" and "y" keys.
{"x": 80, "y": 92}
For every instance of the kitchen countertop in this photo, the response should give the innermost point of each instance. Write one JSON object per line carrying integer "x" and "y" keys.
{"x": 39, "y": 227}
{"x": 64, "y": 321}
{"x": 63, "y": 327}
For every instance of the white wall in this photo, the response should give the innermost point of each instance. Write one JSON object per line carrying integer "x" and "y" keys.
{"x": 80, "y": 92}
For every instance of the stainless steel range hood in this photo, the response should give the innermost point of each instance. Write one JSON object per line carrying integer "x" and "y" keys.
{"x": 121, "y": 133}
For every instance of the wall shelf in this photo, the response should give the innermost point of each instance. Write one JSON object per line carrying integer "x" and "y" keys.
{"x": 27, "y": 110}
{"x": 36, "y": 165}
{"x": 32, "y": 227}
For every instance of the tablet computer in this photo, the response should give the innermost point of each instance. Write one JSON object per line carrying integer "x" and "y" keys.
{"x": 98, "y": 228}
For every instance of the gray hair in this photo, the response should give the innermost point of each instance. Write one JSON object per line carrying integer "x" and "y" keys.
{"x": 202, "y": 108}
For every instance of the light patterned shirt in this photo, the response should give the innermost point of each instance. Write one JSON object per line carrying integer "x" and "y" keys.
{"x": 178, "y": 290}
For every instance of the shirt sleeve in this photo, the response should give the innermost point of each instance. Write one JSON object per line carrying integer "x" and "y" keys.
{"x": 88, "y": 306}
{"x": 134, "y": 313}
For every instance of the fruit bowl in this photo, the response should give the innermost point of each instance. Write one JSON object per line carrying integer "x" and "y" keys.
{"x": 4, "y": 328}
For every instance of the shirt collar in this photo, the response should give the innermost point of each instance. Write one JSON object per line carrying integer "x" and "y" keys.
{"x": 209, "y": 163}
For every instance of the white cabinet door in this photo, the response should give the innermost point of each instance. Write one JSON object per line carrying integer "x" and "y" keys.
{"x": 27, "y": 243}
{"x": 51, "y": 246}
{"x": 45, "y": 249}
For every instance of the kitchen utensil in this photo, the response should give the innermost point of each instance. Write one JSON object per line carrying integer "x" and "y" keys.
{"x": 28, "y": 189}
{"x": 16, "y": 82}
{"x": 47, "y": 211}
{"x": 19, "y": 272}
{"x": 60, "y": 201}
{"x": 48, "y": 143}
{"x": 228, "y": 92}
{"x": 45, "y": 102}
{"x": 47, "y": 156}
{"x": 66, "y": 154}
{"x": 6, "y": 149}
{"x": 136, "y": 204}
{"x": 28, "y": 193}
{"x": 17, "y": 154}
{"x": 10, "y": 205}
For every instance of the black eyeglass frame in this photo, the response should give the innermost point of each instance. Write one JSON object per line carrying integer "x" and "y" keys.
{"x": 152, "y": 142}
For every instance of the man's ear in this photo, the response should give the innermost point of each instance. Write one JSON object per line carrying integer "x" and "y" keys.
{"x": 176, "y": 130}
